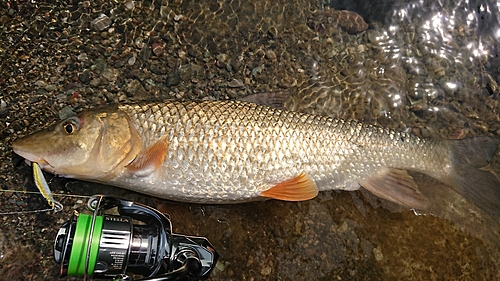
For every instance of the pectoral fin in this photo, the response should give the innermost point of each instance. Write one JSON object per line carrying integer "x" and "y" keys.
{"x": 299, "y": 188}
{"x": 397, "y": 186}
{"x": 149, "y": 159}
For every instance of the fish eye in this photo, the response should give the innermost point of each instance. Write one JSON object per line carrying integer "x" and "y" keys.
{"x": 70, "y": 126}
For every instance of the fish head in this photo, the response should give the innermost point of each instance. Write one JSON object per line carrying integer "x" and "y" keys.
{"x": 94, "y": 145}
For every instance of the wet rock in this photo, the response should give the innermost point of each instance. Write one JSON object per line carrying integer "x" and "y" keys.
{"x": 257, "y": 70}
{"x": 157, "y": 49}
{"x": 100, "y": 64}
{"x": 40, "y": 83}
{"x": 193, "y": 52}
{"x": 95, "y": 82}
{"x": 173, "y": 79}
{"x": 111, "y": 74}
{"x": 270, "y": 55}
{"x": 101, "y": 22}
{"x": 136, "y": 91}
{"x": 66, "y": 112}
{"x": 235, "y": 83}
{"x": 131, "y": 60}
{"x": 266, "y": 271}
{"x": 50, "y": 88}
{"x": 377, "y": 253}
{"x": 145, "y": 54}
{"x": 85, "y": 76}
{"x": 4, "y": 112}
{"x": 349, "y": 21}
{"x": 82, "y": 57}
{"x": 129, "y": 5}
{"x": 158, "y": 69}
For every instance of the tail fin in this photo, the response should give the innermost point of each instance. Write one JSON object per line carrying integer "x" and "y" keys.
{"x": 481, "y": 186}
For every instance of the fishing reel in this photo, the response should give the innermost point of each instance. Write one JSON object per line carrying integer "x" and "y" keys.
{"x": 113, "y": 246}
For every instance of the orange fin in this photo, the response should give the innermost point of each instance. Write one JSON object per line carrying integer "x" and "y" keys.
{"x": 299, "y": 188}
{"x": 148, "y": 160}
{"x": 397, "y": 186}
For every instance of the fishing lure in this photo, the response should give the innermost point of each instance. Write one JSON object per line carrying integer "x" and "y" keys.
{"x": 42, "y": 185}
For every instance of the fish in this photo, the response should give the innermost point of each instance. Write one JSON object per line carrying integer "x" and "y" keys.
{"x": 223, "y": 152}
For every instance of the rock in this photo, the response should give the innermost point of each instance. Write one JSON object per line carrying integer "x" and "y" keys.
{"x": 173, "y": 79}
{"x": 101, "y": 22}
{"x": 235, "y": 83}
{"x": 85, "y": 76}
{"x": 136, "y": 91}
{"x": 111, "y": 74}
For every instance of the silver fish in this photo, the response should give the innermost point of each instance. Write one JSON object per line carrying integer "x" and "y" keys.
{"x": 233, "y": 151}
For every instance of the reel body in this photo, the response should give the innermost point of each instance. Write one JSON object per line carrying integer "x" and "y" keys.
{"x": 113, "y": 246}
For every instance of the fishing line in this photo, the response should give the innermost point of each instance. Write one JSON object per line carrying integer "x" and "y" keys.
{"x": 56, "y": 208}
{"x": 44, "y": 189}
{"x": 36, "y": 192}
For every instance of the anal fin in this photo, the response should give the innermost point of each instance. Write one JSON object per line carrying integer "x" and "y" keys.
{"x": 149, "y": 159}
{"x": 397, "y": 186}
{"x": 300, "y": 188}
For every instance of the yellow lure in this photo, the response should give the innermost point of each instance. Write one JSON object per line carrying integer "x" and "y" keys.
{"x": 42, "y": 185}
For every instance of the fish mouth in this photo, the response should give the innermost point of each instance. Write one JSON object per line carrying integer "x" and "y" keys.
{"x": 30, "y": 158}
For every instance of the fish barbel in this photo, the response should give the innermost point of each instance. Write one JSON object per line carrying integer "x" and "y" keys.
{"x": 233, "y": 151}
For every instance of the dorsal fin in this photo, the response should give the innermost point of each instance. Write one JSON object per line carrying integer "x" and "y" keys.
{"x": 299, "y": 188}
{"x": 271, "y": 99}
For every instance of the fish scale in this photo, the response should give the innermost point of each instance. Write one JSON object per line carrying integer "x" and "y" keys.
{"x": 213, "y": 147}
{"x": 234, "y": 151}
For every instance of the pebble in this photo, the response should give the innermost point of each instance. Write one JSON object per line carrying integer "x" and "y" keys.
{"x": 220, "y": 266}
{"x": 85, "y": 76}
{"x": 131, "y": 60}
{"x": 111, "y": 74}
{"x": 50, "y": 88}
{"x": 178, "y": 17}
{"x": 66, "y": 112}
{"x": 271, "y": 55}
{"x": 235, "y": 83}
{"x": 82, "y": 57}
{"x": 130, "y": 5}
{"x": 266, "y": 270}
{"x": 40, "y": 83}
{"x": 101, "y": 64}
{"x": 101, "y": 22}
{"x": 377, "y": 253}
{"x": 136, "y": 91}
{"x": 145, "y": 53}
{"x": 374, "y": 36}
{"x": 157, "y": 49}
{"x": 95, "y": 82}
{"x": 173, "y": 79}
{"x": 257, "y": 70}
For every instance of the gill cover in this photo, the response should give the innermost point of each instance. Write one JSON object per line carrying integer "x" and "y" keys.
{"x": 94, "y": 145}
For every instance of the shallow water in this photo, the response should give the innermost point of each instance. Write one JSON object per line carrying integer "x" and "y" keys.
{"x": 426, "y": 67}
